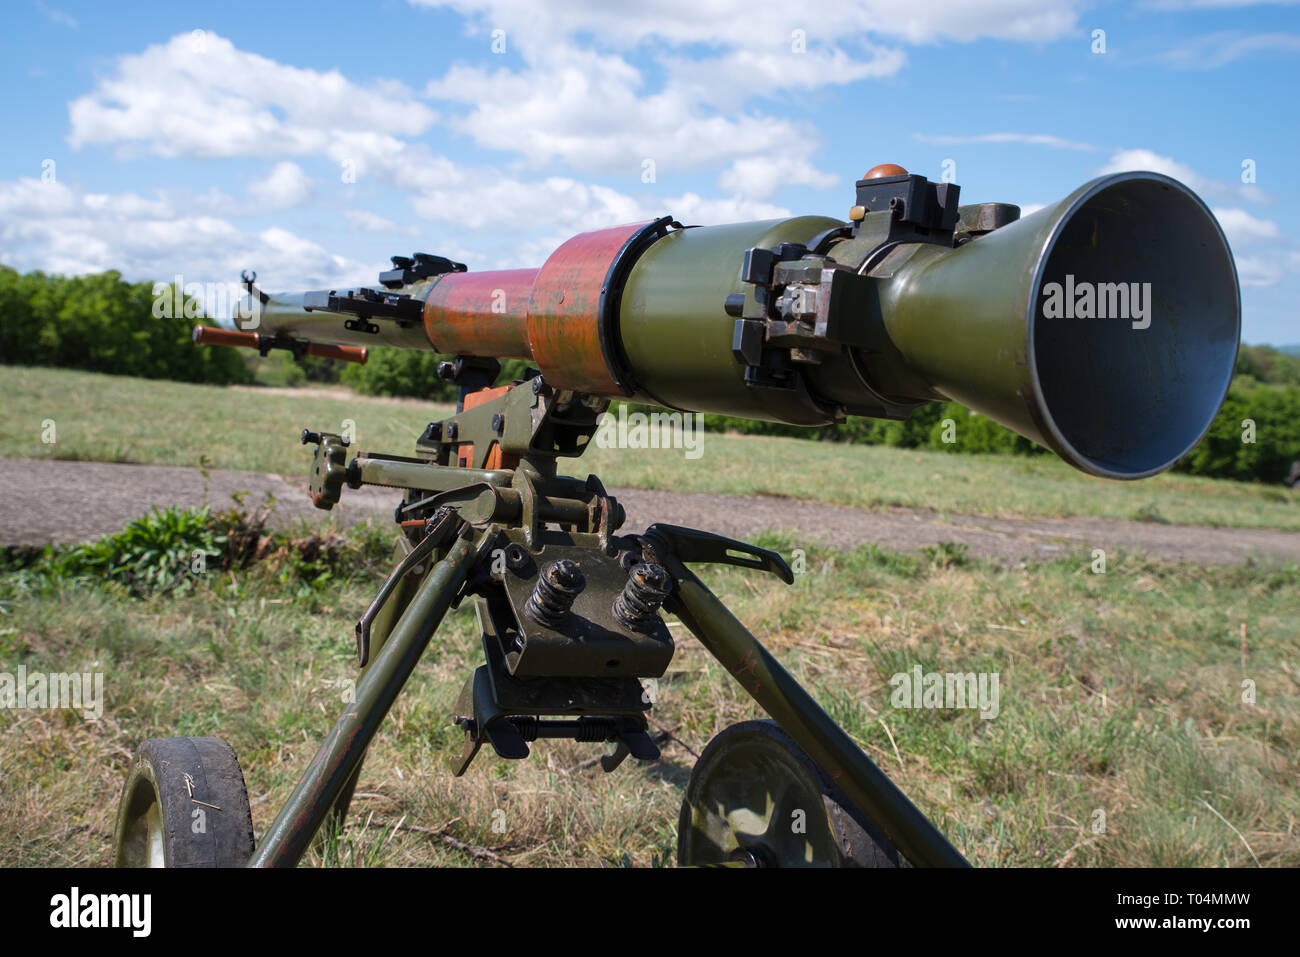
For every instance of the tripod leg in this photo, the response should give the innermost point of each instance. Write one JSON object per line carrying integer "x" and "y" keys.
{"x": 380, "y": 629}
{"x": 776, "y": 690}
{"x": 339, "y": 757}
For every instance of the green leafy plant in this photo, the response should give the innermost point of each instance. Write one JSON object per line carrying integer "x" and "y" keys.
{"x": 160, "y": 552}
{"x": 946, "y": 554}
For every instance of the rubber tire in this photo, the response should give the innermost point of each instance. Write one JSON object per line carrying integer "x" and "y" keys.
{"x": 858, "y": 842}
{"x": 157, "y": 779}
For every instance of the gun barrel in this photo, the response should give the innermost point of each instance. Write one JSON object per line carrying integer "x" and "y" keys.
{"x": 1104, "y": 327}
{"x": 480, "y": 313}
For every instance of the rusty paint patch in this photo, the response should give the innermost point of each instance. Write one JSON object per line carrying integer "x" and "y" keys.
{"x": 562, "y": 314}
{"x": 480, "y": 313}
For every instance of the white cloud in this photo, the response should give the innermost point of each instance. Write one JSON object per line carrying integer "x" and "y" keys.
{"x": 395, "y": 162}
{"x": 197, "y": 95}
{"x": 55, "y": 15}
{"x": 1262, "y": 267}
{"x": 589, "y": 110}
{"x": 729, "y": 80}
{"x": 696, "y": 210}
{"x": 592, "y": 110}
{"x": 56, "y": 228}
{"x": 1242, "y": 228}
{"x": 743, "y": 23}
{"x": 1269, "y": 259}
{"x": 1144, "y": 159}
{"x": 1030, "y": 139}
{"x": 1267, "y": 267}
{"x": 1214, "y": 50}
{"x": 286, "y": 186}
{"x": 480, "y": 198}
{"x": 364, "y": 221}
{"x": 760, "y": 177}
{"x": 1258, "y": 270}
{"x": 1141, "y": 159}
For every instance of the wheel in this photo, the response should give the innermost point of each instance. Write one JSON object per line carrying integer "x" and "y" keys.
{"x": 184, "y": 805}
{"x": 755, "y": 798}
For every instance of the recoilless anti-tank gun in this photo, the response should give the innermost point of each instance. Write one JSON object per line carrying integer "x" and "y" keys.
{"x": 806, "y": 321}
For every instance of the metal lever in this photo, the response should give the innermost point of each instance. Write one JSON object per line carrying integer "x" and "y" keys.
{"x": 691, "y": 545}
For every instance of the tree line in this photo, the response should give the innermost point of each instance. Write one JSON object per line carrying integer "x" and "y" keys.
{"x": 103, "y": 324}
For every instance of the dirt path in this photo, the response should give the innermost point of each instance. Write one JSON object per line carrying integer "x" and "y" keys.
{"x": 52, "y": 501}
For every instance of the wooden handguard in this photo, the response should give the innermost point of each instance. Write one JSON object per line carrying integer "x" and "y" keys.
{"x": 212, "y": 336}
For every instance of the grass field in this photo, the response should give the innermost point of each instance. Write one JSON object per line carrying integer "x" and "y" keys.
{"x": 118, "y": 419}
{"x": 1120, "y": 695}
{"x": 1147, "y": 716}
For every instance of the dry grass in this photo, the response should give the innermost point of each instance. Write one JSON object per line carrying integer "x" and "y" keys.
{"x": 1120, "y": 693}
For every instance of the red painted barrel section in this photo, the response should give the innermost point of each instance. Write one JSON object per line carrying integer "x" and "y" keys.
{"x": 549, "y": 315}
{"x": 480, "y": 313}
{"x": 562, "y": 313}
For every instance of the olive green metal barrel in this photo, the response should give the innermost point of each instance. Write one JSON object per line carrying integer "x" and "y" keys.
{"x": 676, "y": 335}
{"x": 283, "y": 314}
{"x": 1104, "y": 327}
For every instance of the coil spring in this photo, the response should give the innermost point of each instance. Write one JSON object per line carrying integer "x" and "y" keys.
{"x": 587, "y": 728}
{"x": 553, "y": 595}
{"x": 647, "y": 586}
{"x": 595, "y": 729}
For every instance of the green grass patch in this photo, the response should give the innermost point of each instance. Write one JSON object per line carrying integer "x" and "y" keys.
{"x": 121, "y": 419}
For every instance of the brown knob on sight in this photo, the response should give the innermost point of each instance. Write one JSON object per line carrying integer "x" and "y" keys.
{"x": 885, "y": 169}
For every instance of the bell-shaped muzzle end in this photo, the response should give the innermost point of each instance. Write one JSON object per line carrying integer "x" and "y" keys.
{"x": 1104, "y": 327}
{"x": 1133, "y": 324}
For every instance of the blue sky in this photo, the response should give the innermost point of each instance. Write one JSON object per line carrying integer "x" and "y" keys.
{"x": 312, "y": 141}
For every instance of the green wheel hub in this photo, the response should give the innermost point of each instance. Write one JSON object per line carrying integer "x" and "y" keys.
{"x": 755, "y": 799}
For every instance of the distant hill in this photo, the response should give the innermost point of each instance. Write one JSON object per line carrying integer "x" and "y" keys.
{"x": 1289, "y": 350}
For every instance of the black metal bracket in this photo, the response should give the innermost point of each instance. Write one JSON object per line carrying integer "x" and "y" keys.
{"x": 505, "y": 711}
{"x": 470, "y": 373}
{"x": 413, "y": 268}
{"x": 296, "y": 346}
{"x": 365, "y": 304}
{"x": 913, "y": 200}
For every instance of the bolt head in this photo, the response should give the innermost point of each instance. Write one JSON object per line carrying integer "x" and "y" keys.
{"x": 652, "y": 575}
